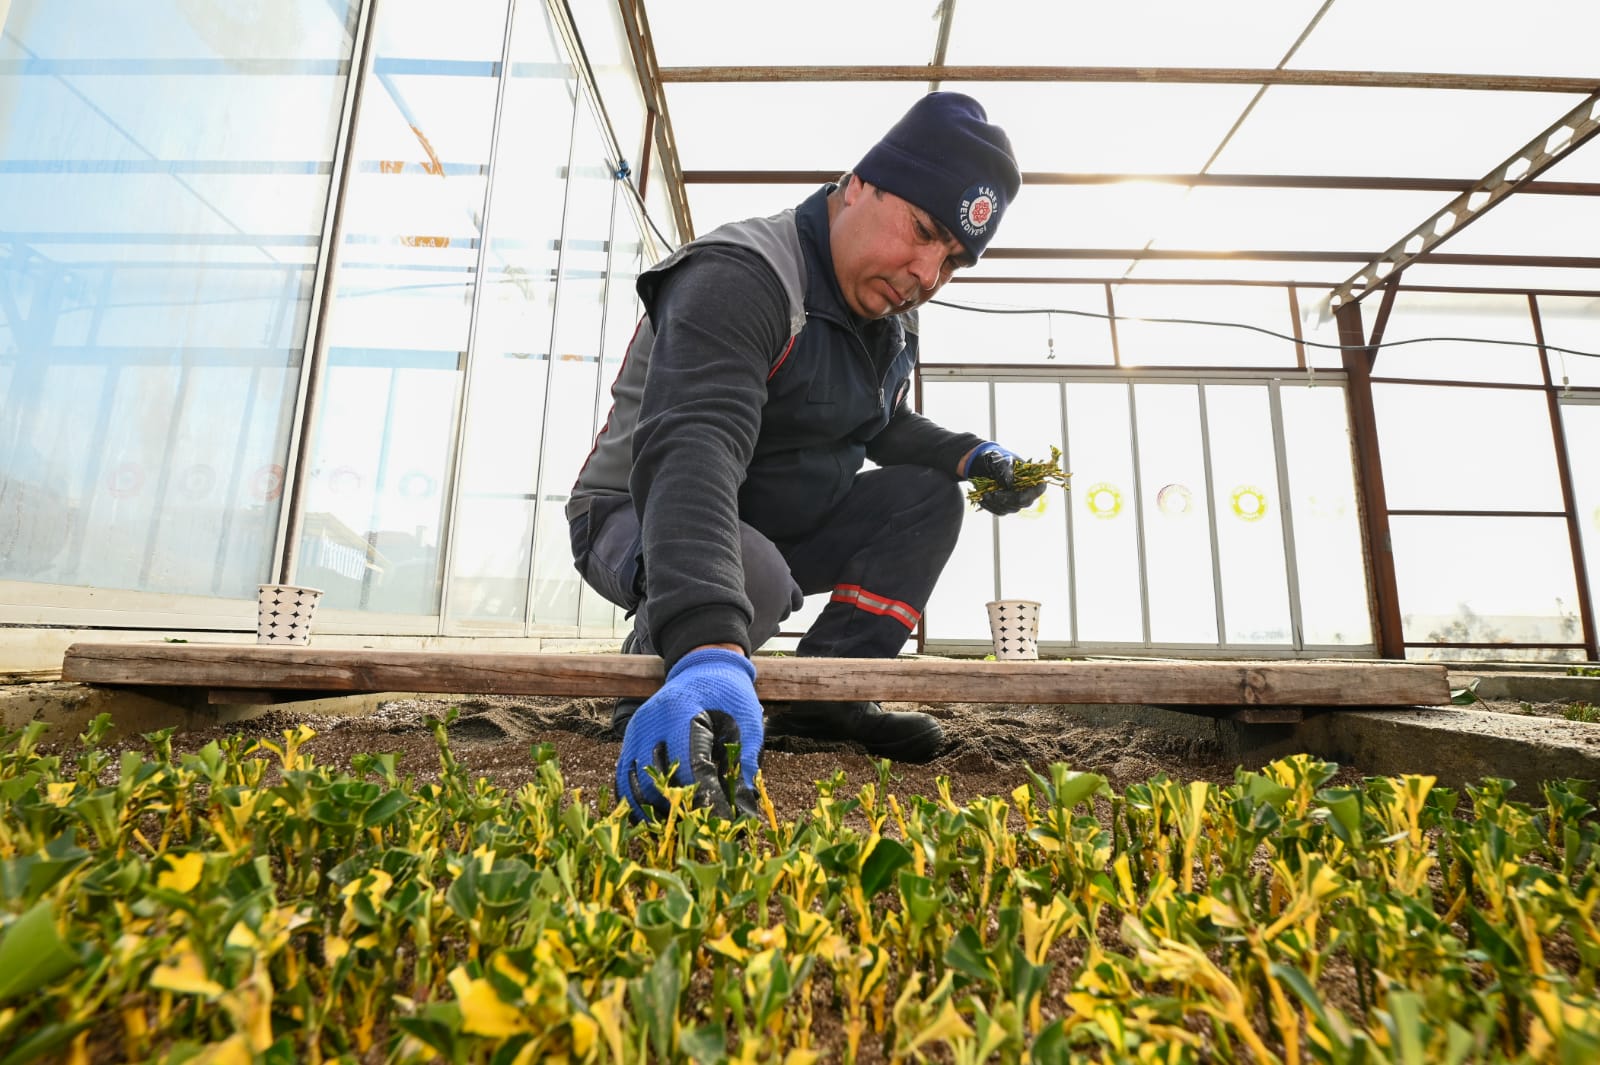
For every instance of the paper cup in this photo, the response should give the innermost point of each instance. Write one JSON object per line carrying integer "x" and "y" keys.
{"x": 283, "y": 613}
{"x": 1014, "y": 623}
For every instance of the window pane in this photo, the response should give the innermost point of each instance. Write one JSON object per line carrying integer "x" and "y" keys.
{"x": 994, "y": 333}
{"x": 1330, "y": 567}
{"x": 1105, "y": 535}
{"x": 1177, "y": 542}
{"x": 1485, "y": 580}
{"x": 403, "y": 298}
{"x": 493, "y": 529}
{"x": 1466, "y": 448}
{"x": 570, "y": 407}
{"x": 1581, "y": 422}
{"x": 1033, "y": 542}
{"x": 1249, "y": 515}
{"x": 1165, "y": 343}
{"x": 1572, "y": 322}
{"x": 955, "y": 610}
{"x": 155, "y": 282}
{"x": 1470, "y": 319}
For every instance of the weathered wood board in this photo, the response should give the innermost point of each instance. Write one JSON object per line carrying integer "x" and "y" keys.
{"x": 307, "y": 669}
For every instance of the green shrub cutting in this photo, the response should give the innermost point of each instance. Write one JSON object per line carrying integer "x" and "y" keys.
{"x": 245, "y": 904}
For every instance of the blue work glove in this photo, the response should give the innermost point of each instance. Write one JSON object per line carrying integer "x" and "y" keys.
{"x": 708, "y": 702}
{"x": 996, "y": 463}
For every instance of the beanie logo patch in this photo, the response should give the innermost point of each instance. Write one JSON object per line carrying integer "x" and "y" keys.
{"x": 979, "y": 205}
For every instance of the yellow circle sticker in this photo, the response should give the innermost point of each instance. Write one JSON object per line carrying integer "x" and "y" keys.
{"x": 1103, "y": 500}
{"x": 1249, "y": 502}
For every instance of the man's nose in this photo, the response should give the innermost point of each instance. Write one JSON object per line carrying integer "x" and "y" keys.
{"x": 927, "y": 266}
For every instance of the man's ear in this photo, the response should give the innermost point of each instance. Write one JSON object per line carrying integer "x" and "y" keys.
{"x": 853, "y": 188}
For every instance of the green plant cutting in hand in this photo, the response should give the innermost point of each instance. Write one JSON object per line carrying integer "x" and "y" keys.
{"x": 1025, "y": 474}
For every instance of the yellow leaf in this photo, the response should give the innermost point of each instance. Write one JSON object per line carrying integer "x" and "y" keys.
{"x": 182, "y": 872}
{"x": 232, "y": 1051}
{"x": 584, "y": 1033}
{"x": 948, "y": 1025}
{"x": 187, "y": 976}
{"x": 483, "y": 1012}
{"x": 799, "y": 1056}
{"x": 58, "y": 792}
{"x": 725, "y": 946}
{"x": 335, "y": 948}
{"x": 607, "y": 1013}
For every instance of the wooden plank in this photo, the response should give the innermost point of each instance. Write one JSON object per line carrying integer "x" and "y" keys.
{"x": 243, "y": 666}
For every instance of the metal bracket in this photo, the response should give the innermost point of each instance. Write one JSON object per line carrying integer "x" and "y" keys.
{"x": 1538, "y": 155}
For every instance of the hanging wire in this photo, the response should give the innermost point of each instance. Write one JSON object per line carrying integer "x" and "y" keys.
{"x": 623, "y": 176}
{"x": 1260, "y": 329}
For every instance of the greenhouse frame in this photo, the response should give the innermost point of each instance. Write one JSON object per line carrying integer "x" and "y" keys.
{"x": 332, "y": 293}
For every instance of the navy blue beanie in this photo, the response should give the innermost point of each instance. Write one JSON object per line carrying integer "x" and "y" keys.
{"x": 946, "y": 157}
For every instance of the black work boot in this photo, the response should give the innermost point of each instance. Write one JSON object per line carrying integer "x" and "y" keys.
{"x": 623, "y": 709}
{"x": 898, "y": 735}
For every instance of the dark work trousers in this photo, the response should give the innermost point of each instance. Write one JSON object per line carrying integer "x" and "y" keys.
{"x": 879, "y": 552}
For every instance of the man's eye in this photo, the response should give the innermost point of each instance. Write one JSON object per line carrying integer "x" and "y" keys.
{"x": 923, "y": 232}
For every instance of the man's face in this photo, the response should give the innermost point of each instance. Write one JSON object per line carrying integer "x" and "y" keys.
{"x": 888, "y": 255}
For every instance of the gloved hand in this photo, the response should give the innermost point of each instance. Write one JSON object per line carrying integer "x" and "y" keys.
{"x": 708, "y": 701}
{"x": 997, "y": 464}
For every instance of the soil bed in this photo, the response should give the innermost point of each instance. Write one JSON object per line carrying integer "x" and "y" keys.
{"x": 988, "y": 745}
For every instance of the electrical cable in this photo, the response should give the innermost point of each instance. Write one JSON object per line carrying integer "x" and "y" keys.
{"x": 1260, "y": 329}
{"x": 623, "y": 176}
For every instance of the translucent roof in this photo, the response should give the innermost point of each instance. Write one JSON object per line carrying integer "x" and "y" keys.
{"x": 1250, "y": 140}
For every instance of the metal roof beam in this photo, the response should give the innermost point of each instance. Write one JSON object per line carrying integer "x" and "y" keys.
{"x": 1233, "y": 181}
{"x": 1538, "y": 155}
{"x": 1370, "y": 79}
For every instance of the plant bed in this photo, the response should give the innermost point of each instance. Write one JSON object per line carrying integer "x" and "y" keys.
{"x": 272, "y": 899}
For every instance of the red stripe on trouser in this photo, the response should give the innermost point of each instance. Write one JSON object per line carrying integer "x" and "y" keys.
{"x": 862, "y": 599}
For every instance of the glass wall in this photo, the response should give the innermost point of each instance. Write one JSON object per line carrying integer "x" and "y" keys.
{"x": 160, "y": 221}
{"x": 1206, "y": 514}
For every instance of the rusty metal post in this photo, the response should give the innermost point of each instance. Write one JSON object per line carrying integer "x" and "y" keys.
{"x": 1358, "y": 358}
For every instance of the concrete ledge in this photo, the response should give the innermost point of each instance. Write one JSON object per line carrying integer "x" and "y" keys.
{"x": 1529, "y": 687}
{"x": 1458, "y": 745}
{"x": 69, "y": 708}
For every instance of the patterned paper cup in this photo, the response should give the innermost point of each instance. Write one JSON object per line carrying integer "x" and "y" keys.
{"x": 283, "y": 613}
{"x": 1014, "y": 623}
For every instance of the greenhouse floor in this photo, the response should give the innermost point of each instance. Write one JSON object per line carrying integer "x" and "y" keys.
{"x": 1147, "y": 717}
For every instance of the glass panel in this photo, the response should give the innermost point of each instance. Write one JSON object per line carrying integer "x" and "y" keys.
{"x": 739, "y": 33}
{"x": 1249, "y": 515}
{"x": 155, "y": 282}
{"x": 386, "y": 423}
{"x": 1124, "y": 216}
{"x": 1572, "y": 322}
{"x": 605, "y": 45}
{"x": 1406, "y": 132}
{"x": 623, "y": 314}
{"x": 955, "y": 610}
{"x": 1473, "y": 316}
{"x": 570, "y": 404}
{"x": 1183, "y": 603}
{"x": 1532, "y": 225}
{"x": 493, "y": 530}
{"x": 1153, "y": 343}
{"x": 1341, "y": 220}
{"x": 993, "y": 333}
{"x": 1554, "y": 37}
{"x": 1581, "y": 423}
{"x": 1105, "y": 533}
{"x": 1330, "y": 566}
{"x": 1105, "y": 127}
{"x": 1322, "y": 338}
{"x": 1251, "y": 33}
{"x": 713, "y": 205}
{"x": 781, "y": 126}
{"x": 1466, "y": 448}
{"x": 1033, "y": 542}
{"x": 1485, "y": 580}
